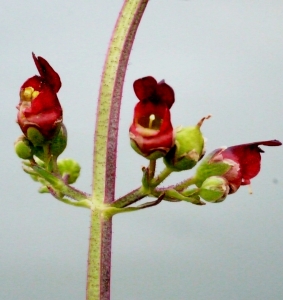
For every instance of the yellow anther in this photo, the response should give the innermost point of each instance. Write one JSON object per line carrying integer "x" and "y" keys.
{"x": 34, "y": 94}
{"x": 28, "y": 94}
{"x": 151, "y": 119}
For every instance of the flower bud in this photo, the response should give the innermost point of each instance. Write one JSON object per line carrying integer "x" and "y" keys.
{"x": 214, "y": 189}
{"x": 187, "y": 151}
{"x": 69, "y": 169}
{"x": 40, "y": 113}
{"x": 23, "y": 148}
{"x": 188, "y": 148}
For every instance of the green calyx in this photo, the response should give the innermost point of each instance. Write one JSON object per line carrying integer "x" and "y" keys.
{"x": 155, "y": 154}
{"x": 34, "y": 135}
{"x": 59, "y": 142}
{"x": 208, "y": 168}
{"x": 56, "y": 146}
{"x": 214, "y": 189}
{"x": 23, "y": 148}
{"x": 187, "y": 151}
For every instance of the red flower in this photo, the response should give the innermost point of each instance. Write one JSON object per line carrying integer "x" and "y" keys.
{"x": 151, "y": 132}
{"x": 39, "y": 106}
{"x": 238, "y": 164}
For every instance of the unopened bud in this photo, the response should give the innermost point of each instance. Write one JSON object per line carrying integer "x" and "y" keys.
{"x": 188, "y": 148}
{"x": 24, "y": 148}
{"x": 214, "y": 189}
{"x": 69, "y": 169}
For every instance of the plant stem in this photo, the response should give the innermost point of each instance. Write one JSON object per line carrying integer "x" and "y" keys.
{"x": 130, "y": 198}
{"x": 159, "y": 178}
{"x": 105, "y": 149}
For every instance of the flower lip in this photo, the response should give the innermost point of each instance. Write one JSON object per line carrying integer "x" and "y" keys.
{"x": 47, "y": 73}
{"x": 248, "y": 157}
{"x": 147, "y": 88}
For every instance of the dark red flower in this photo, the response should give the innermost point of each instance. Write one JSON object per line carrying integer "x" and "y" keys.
{"x": 39, "y": 107}
{"x": 238, "y": 164}
{"x": 151, "y": 132}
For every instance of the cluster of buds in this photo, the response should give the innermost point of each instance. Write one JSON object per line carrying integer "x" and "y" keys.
{"x": 40, "y": 118}
{"x": 152, "y": 135}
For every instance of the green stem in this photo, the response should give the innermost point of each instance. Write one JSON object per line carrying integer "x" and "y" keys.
{"x": 59, "y": 184}
{"x": 130, "y": 198}
{"x": 159, "y": 178}
{"x": 104, "y": 158}
{"x": 184, "y": 184}
{"x": 152, "y": 166}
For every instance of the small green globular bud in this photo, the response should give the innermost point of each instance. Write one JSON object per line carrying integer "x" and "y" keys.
{"x": 69, "y": 169}
{"x": 59, "y": 142}
{"x": 35, "y": 136}
{"x": 23, "y": 148}
{"x": 214, "y": 189}
{"x": 188, "y": 148}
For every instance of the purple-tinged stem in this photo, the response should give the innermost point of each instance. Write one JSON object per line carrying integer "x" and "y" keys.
{"x": 105, "y": 148}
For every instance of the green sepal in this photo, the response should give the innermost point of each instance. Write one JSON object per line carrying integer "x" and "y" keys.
{"x": 194, "y": 199}
{"x": 208, "y": 168}
{"x": 158, "y": 153}
{"x": 214, "y": 189}
{"x": 24, "y": 148}
{"x": 187, "y": 151}
{"x": 49, "y": 177}
{"x": 145, "y": 179}
{"x": 43, "y": 189}
{"x": 69, "y": 169}
{"x": 190, "y": 192}
{"x": 35, "y": 136}
{"x": 59, "y": 142}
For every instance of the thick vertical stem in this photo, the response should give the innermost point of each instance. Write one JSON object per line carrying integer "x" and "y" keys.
{"x": 105, "y": 147}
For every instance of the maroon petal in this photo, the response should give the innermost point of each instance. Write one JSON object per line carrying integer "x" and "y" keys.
{"x": 47, "y": 73}
{"x": 145, "y": 87}
{"x": 165, "y": 93}
{"x": 160, "y": 136}
{"x": 249, "y": 158}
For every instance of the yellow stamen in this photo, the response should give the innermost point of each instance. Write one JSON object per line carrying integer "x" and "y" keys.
{"x": 28, "y": 94}
{"x": 151, "y": 119}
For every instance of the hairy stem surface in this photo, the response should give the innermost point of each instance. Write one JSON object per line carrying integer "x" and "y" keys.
{"x": 105, "y": 147}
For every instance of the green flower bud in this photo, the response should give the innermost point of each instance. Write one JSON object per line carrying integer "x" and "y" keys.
{"x": 214, "y": 189}
{"x": 188, "y": 148}
{"x": 69, "y": 169}
{"x": 23, "y": 148}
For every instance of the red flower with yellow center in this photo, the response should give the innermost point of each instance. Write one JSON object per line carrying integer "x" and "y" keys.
{"x": 151, "y": 132}
{"x": 39, "y": 107}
